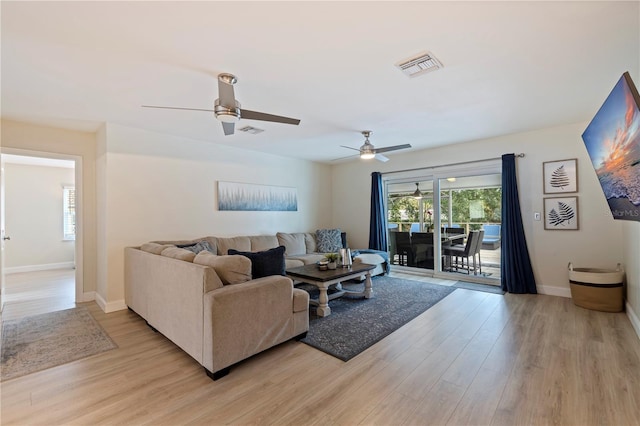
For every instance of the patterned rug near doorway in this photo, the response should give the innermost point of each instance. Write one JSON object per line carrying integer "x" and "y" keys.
{"x": 355, "y": 323}
{"x": 43, "y": 341}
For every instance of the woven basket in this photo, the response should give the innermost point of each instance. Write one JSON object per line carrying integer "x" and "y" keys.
{"x": 597, "y": 289}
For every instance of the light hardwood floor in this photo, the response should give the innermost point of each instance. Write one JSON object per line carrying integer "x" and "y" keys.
{"x": 473, "y": 359}
{"x": 32, "y": 293}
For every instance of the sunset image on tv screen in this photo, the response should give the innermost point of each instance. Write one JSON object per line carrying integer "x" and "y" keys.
{"x": 613, "y": 142}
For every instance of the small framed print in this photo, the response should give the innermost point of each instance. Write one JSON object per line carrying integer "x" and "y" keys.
{"x": 560, "y": 177}
{"x": 561, "y": 213}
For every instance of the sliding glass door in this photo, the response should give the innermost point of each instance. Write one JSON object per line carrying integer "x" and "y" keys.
{"x": 470, "y": 209}
{"x": 410, "y": 214}
{"x": 456, "y": 234}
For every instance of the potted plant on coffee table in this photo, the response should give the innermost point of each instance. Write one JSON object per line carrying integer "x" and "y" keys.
{"x": 332, "y": 258}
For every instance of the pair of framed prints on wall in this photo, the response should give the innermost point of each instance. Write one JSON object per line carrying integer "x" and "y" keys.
{"x": 560, "y": 211}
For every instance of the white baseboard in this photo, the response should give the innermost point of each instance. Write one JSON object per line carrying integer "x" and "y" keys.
{"x": 107, "y": 307}
{"x": 554, "y": 291}
{"x": 88, "y": 296}
{"x": 43, "y": 267}
{"x": 633, "y": 317}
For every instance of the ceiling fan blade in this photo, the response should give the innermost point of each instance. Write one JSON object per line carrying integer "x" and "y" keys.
{"x": 227, "y": 128}
{"x": 226, "y": 94}
{"x": 186, "y": 109}
{"x": 255, "y": 115}
{"x": 348, "y": 147}
{"x": 381, "y": 157}
{"x": 393, "y": 148}
{"x": 343, "y": 158}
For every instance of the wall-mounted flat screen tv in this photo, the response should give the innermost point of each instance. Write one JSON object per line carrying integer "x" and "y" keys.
{"x": 613, "y": 142}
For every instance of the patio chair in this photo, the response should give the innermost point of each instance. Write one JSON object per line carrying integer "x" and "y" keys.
{"x": 422, "y": 248}
{"x": 461, "y": 253}
{"x": 491, "y": 239}
{"x": 404, "y": 249}
{"x": 477, "y": 251}
{"x": 415, "y": 227}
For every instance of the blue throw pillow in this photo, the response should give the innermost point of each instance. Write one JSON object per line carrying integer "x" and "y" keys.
{"x": 197, "y": 247}
{"x": 264, "y": 263}
{"x": 328, "y": 240}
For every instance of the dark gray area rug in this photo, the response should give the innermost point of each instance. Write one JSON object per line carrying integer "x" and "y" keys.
{"x": 43, "y": 341}
{"x": 355, "y": 323}
{"x": 479, "y": 287}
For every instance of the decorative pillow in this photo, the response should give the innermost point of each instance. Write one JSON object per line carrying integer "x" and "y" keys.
{"x": 198, "y": 247}
{"x": 265, "y": 263}
{"x": 230, "y": 269}
{"x": 328, "y": 240}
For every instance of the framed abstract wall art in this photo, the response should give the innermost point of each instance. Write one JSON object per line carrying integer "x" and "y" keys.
{"x": 561, "y": 213}
{"x": 560, "y": 177}
{"x": 252, "y": 197}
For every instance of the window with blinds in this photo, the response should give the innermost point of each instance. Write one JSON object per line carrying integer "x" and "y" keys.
{"x": 69, "y": 213}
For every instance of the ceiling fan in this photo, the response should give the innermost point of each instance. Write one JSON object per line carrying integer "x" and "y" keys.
{"x": 368, "y": 151}
{"x": 227, "y": 109}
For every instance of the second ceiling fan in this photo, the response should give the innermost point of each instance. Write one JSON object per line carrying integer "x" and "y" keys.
{"x": 368, "y": 151}
{"x": 227, "y": 109}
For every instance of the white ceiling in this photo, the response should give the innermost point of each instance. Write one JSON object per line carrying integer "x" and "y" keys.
{"x": 508, "y": 67}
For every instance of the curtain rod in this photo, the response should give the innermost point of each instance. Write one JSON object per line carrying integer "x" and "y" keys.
{"x": 447, "y": 165}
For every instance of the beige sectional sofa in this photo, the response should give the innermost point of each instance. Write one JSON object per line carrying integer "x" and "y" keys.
{"x": 210, "y": 305}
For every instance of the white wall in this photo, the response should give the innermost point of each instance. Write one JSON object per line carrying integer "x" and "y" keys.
{"x": 34, "y": 216}
{"x": 631, "y": 244}
{"x": 161, "y": 187}
{"x": 596, "y": 244}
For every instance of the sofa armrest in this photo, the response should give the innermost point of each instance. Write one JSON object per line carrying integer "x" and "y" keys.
{"x": 243, "y": 319}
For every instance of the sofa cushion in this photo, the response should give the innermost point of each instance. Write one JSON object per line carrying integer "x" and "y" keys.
{"x": 328, "y": 240}
{"x": 236, "y": 243}
{"x": 178, "y": 243}
{"x": 155, "y": 248}
{"x": 293, "y": 243}
{"x": 307, "y": 259}
{"x": 290, "y": 262}
{"x": 310, "y": 242}
{"x": 263, "y": 242}
{"x": 198, "y": 247}
{"x": 230, "y": 269}
{"x": 265, "y": 263}
{"x": 179, "y": 253}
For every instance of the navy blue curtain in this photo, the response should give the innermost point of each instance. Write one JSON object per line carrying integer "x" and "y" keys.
{"x": 378, "y": 221}
{"x": 515, "y": 269}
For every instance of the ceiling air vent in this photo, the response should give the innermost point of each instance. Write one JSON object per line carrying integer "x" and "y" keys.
{"x": 251, "y": 129}
{"x": 421, "y": 64}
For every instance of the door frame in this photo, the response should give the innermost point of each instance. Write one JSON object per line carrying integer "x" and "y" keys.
{"x": 78, "y": 244}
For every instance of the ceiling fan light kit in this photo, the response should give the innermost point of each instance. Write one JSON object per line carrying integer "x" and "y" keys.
{"x": 367, "y": 151}
{"x": 227, "y": 109}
